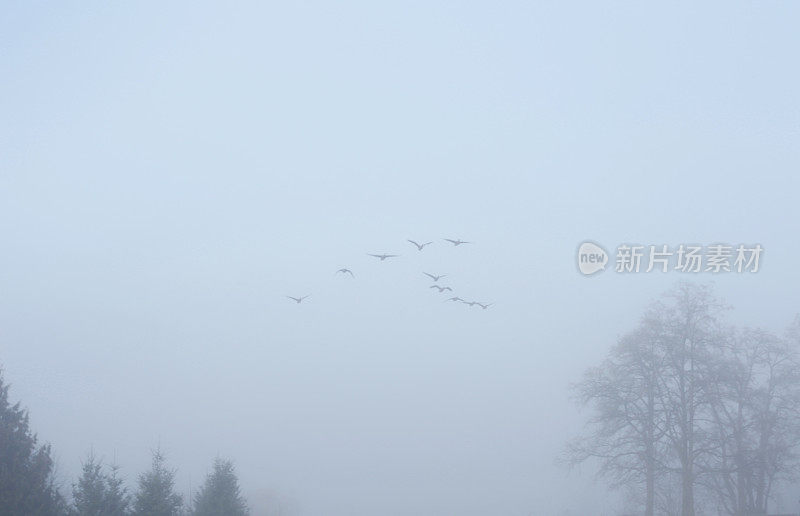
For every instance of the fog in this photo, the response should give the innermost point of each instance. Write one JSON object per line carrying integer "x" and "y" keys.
{"x": 170, "y": 172}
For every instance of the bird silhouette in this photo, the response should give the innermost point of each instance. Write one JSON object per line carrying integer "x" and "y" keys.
{"x": 456, "y": 298}
{"x": 485, "y": 306}
{"x": 433, "y": 276}
{"x": 345, "y": 270}
{"x": 470, "y": 303}
{"x": 297, "y": 300}
{"x": 384, "y": 256}
{"x": 456, "y": 242}
{"x": 441, "y": 289}
{"x": 420, "y": 247}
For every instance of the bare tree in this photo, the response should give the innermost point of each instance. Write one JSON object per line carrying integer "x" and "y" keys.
{"x": 686, "y": 327}
{"x": 624, "y": 433}
{"x": 754, "y": 396}
{"x": 686, "y": 410}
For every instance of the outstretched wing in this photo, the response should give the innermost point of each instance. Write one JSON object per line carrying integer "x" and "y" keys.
{"x": 431, "y": 276}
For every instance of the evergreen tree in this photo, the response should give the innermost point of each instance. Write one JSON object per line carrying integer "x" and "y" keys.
{"x": 156, "y": 495}
{"x": 27, "y": 487}
{"x": 117, "y": 498}
{"x": 98, "y": 493}
{"x": 88, "y": 494}
{"x": 220, "y": 495}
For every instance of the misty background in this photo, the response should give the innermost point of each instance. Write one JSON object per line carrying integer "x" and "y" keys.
{"x": 169, "y": 172}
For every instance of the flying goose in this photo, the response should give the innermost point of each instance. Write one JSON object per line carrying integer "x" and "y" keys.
{"x": 456, "y": 242}
{"x": 441, "y": 289}
{"x": 345, "y": 270}
{"x": 384, "y": 256}
{"x": 434, "y": 277}
{"x": 297, "y": 300}
{"x": 420, "y": 246}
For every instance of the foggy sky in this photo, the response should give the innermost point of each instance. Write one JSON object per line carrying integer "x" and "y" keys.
{"x": 170, "y": 171}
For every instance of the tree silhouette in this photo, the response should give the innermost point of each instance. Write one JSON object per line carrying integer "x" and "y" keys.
{"x": 156, "y": 495}
{"x": 220, "y": 495}
{"x": 26, "y": 469}
{"x": 98, "y": 493}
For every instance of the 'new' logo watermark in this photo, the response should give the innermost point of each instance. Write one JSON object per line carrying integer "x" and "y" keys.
{"x": 591, "y": 258}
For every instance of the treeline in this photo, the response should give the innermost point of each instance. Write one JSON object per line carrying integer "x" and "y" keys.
{"x": 692, "y": 415}
{"x": 28, "y": 486}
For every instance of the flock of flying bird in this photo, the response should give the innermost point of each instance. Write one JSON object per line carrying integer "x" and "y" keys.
{"x": 434, "y": 277}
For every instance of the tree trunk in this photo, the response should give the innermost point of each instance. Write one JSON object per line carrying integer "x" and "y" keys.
{"x": 650, "y": 464}
{"x": 687, "y": 492}
{"x": 649, "y": 509}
